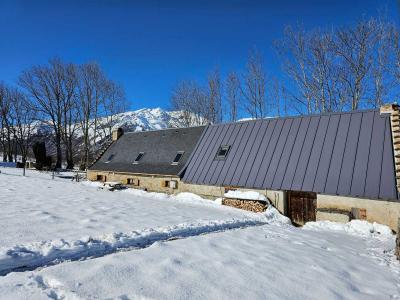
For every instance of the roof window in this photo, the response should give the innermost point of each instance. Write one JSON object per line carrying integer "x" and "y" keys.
{"x": 223, "y": 151}
{"x": 138, "y": 158}
{"x": 177, "y": 158}
{"x": 110, "y": 158}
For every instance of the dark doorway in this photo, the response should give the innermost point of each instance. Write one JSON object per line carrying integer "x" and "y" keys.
{"x": 101, "y": 178}
{"x": 301, "y": 207}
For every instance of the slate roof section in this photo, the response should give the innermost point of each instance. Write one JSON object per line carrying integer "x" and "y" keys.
{"x": 348, "y": 154}
{"x": 160, "y": 148}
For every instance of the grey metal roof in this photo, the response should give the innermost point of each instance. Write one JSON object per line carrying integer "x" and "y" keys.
{"x": 160, "y": 148}
{"x": 349, "y": 154}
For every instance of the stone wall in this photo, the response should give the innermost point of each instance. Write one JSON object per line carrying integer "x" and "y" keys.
{"x": 213, "y": 192}
{"x": 206, "y": 191}
{"x": 154, "y": 183}
{"x": 384, "y": 212}
{"x": 333, "y": 215}
{"x": 151, "y": 183}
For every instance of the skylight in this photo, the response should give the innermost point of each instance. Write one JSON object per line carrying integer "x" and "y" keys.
{"x": 138, "y": 158}
{"x": 177, "y": 158}
{"x": 110, "y": 158}
{"x": 223, "y": 151}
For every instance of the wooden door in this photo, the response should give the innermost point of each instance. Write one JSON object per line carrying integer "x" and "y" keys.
{"x": 301, "y": 206}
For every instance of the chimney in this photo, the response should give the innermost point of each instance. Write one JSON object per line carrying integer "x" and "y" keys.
{"x": 116, "y": 134}
{"x": 393, "y": 110}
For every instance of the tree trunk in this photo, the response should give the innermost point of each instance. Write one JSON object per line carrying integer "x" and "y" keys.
{"x": 59, "y": 152}
{"x": 69, "y": 155}
{"x": 24, "y": 165}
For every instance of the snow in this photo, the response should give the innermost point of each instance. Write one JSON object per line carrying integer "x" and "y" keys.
{"x": 260, "y": 262}
{"x": 354, "y": 227}
{"x": 273, "y": 216}
{"x": 67, "y": 240}
{"x": 37, "y": 208}
{"x": 246, "y": 195}
{"x": 46, "y": 253}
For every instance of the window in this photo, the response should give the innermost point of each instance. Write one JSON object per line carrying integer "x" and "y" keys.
{"x": 223, "y": 151}
{"x": 173, "y": 184}
{"x": 110, "y": 158}
{"x": 177, "y": 157}
{"x": 138, "y": 158}
{"x": 133, "y": 181}
{"x": 165, "y": 183}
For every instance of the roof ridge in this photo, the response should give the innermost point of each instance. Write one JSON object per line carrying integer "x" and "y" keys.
{"x": 302, "y": 116}
{"x": 164, "y": 129}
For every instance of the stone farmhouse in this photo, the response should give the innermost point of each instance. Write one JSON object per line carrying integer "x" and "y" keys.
{"x": 335, "y": 166}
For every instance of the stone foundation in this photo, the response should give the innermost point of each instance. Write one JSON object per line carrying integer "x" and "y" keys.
{"x": 151, "y": 183}
{"x": 333, "y": 215}
{"x": 277, "y": 198}
{"x": 380, "y": 211}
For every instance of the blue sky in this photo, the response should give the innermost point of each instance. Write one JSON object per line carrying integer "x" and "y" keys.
{"x": 150, "y": 45}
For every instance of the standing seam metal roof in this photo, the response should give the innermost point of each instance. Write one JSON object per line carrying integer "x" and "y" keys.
{"x": 348, "y": 154}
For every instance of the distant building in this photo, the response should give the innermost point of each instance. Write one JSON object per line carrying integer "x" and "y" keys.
{"x": 333, "y": 166}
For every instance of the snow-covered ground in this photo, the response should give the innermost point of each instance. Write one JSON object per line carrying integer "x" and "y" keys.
{"x": 66, "y": 240}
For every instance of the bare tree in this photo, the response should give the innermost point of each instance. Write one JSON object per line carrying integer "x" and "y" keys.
{"x": 276, "y": 96}
{"x": 113, "y": 103}
{"x": 214, "y": 114}
{"x": 24, "y": 126}
{"x": 70, "y": 116}
{"x": 353, "y": 47}
{"x": 49, "y": 86}
{"x": 293, "y": 50}
{"x": 233, "y": 95}
{"x": 254, "y": 86}
{"x": 7, "y": 122}
{"x": 340, "y": 69}
{"x": 191, "y": 101}
{"x": 92, "y": 91}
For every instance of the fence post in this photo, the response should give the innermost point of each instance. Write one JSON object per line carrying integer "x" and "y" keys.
{"x": 397, "y": 252}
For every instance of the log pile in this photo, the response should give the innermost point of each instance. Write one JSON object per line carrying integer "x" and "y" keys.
{"x": 250, "y": 205}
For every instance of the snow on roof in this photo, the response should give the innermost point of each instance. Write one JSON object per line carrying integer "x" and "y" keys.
{"x": 248, "y": 195}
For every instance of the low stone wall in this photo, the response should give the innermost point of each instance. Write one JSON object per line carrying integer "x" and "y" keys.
{"x": 250, "y": 205}
{"x": 333, "y": 215}
{"x": 384, "y": 212}
{"x": 206, "y": 191}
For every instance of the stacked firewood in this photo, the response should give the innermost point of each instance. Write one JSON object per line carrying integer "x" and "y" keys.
{"x": 250, "y": 205}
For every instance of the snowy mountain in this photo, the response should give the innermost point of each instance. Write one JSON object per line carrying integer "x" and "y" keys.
{"x": 145, "y": 119}
{"x": 138, "y": 120}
